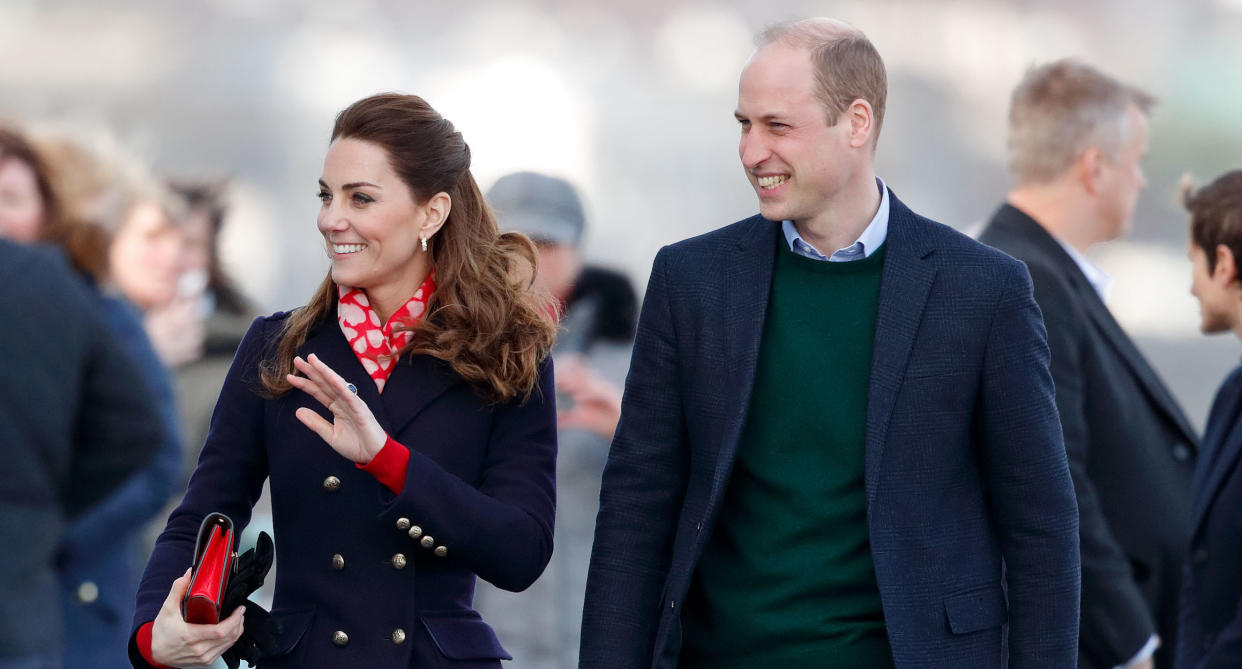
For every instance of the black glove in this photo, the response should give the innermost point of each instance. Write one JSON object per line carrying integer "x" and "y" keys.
{"x": 261, "y": 631}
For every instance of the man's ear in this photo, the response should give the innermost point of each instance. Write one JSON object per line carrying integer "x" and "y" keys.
{"x": 1089, "y": 165}
{"x": 861, "y": 118}
{"x": 437, "y": 209}
{"x": 1226, "y": 270}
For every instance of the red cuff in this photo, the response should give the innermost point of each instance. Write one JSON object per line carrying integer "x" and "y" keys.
{"x": 389, "y": 465}
{"x": 144, "y": 645}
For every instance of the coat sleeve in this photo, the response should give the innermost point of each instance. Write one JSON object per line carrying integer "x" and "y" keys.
{"x": 1029, "y": 484}
{"x": 501, "y": 530}
{"x": 1115, "y": 620}
{"x": 229, "y": 476}
{"x": 643, "y": 485}
{"x": 144, "y": 494}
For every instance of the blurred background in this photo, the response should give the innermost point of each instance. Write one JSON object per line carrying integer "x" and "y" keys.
{"x": 633, "y": 103}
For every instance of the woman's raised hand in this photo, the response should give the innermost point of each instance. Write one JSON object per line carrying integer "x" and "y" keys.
{"x": 353, "y": 431}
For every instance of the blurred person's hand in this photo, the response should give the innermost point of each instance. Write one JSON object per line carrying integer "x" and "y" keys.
{"x": 1149, "y": 663}
{"x": 353, "y": 431}
{"x": 595, "y": 404}
{"x": 176, "y": 643}
{"x": 177, "y": 330}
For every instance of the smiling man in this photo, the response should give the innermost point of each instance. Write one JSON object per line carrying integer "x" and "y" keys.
{"x": 838, "y": 422}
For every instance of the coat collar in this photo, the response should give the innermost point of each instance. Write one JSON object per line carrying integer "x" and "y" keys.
{"x": 1222, "y": 445}
{"x": 1011, "y": 221}
{"x": 414, "y": 383}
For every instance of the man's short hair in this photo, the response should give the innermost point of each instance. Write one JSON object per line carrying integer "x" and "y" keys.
{"x": 1061, "y": 109}
{"x": 847, "y": 65}
{"x": 1216, "y": 215}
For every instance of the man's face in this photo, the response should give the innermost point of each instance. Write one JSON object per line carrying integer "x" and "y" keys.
{"x": 1121, "y": 177}
{"x": 1212, "y": 291}
{"x": 797, "y": 163}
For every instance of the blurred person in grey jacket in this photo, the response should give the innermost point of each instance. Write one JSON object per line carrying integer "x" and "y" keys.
{"x": 75, "y": 422}
{"x": 598, "y": 314}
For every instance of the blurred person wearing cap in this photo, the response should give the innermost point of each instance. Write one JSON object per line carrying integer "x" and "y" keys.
{"x": 1210, "y": 625}
{"x": 838, "y": 443}
{"x": 1077, "y": 138}
{"x": 75, "y": 422}
{"x": 102, "y": 549}
{"x": 598, "y": 310}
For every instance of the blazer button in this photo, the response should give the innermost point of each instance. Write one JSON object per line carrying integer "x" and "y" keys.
{"x": 1181, "y": 452}
{"x": 398, "y": 636}
{"x": 340, "y": 638}
{"x": 1200, "y": 555}
{"x": 441, "y": 551}
{"x": 88, "y": 592}
{"x": 332, "y": 484}
{"x": 338, "y": 562}
{"x": 403, "y": 524}
{"x": 398, "y": 561}
{"x": 416, "y": 532}
{"x": 427, "y": 542}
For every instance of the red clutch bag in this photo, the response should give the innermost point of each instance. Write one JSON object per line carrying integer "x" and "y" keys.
{"x": 213, "y": 563}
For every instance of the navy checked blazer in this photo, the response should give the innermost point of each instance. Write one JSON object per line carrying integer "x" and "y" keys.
{"x": 965, "y": 464}
{"x": 366, "y": 578}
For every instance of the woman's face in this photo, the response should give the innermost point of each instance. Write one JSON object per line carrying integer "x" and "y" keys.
{"x": 370, "y": 223}
{"x": 145, "y": 257}
{"x": 21, "y": 205}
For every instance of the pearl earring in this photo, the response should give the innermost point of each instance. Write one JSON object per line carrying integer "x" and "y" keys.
{"x": 424, "y": 243}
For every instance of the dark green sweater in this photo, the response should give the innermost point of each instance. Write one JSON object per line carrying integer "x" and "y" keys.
{"x": 787, "y": 577}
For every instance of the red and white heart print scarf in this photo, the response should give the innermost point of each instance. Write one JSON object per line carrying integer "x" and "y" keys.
{"x": 376, "y": 346}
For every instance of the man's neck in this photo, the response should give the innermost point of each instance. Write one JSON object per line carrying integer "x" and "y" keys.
{"x": 841, "y": 224}
{"x": 1059, "y": 212}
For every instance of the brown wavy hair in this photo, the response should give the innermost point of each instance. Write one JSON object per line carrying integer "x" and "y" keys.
{"x": 485, "y": 319}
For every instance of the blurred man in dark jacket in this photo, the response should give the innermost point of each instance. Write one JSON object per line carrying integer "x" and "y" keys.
{"x": 1077, "y": 138}
{"x": 75, "y": 422}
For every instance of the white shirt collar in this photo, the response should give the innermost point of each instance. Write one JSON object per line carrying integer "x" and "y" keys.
{"x": 871, "y": 238}
{"x": 1097, "y": 277}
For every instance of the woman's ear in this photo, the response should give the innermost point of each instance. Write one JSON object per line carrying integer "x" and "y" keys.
{"x": 437, "y": 210}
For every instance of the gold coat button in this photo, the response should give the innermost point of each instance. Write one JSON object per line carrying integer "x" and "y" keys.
{"x": 403, "y": 524}
{"x": 427, "y": 542}
{"x": 338, "y": 562}
{"x": 398, "y": 636}
{"x": 441, "y": 551}
{"x": 88, "y": 592}
{"x": 340, "y": 638}
{"x": 416, "y": 532}
{"x": 332, "y": 484}
{"x": 398, "y": 561}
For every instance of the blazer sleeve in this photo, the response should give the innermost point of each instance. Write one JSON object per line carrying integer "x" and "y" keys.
{"x": 502, "y": 530}
{"x": 641, "y": 494}
{"x": 1029, "y": 483}
{"x": 229, "y": 476}
{"x": 1115, "y": 620}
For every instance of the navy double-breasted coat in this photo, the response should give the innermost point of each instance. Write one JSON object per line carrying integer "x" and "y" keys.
{"x": 366, "y": 578}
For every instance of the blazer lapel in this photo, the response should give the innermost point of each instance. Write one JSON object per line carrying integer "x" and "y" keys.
{"x": 1124, "y": 346}
{"x": 905, "y": 283}
{"x": 1222, "y": 444}
{"x": 747, "y": 285}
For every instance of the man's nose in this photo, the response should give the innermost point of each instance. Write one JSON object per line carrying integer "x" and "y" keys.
{"x": 753, "y": 150}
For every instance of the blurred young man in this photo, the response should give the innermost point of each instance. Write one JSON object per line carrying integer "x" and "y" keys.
{"x": 1077, "y": 138}
{"x": 838, "y": 420}
{"x": 1211, "y": 604}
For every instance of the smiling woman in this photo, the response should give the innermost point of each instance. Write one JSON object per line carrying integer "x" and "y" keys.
{"x": 420, "y": 367}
